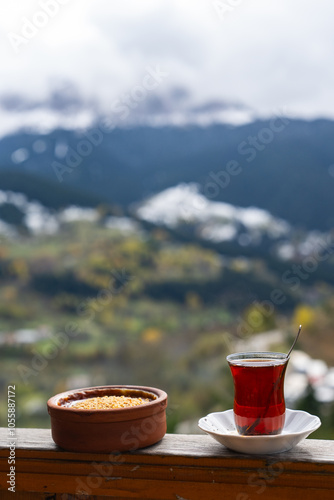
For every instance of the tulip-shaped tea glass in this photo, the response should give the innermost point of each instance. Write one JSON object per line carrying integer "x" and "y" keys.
{"x": 259, "y": 406}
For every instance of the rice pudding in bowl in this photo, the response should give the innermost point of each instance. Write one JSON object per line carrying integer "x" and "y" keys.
{"x": 108, "y": 419}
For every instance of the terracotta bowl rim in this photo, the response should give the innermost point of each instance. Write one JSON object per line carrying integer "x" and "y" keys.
{"x": 161, "y": 397}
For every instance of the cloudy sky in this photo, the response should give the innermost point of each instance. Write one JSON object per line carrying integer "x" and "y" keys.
{"x": 70, "y": 61}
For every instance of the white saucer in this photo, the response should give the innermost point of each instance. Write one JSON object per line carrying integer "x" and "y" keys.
{"x": 298, "y": 425}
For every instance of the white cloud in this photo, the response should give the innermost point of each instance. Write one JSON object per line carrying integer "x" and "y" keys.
{"x": 263, "y": 54}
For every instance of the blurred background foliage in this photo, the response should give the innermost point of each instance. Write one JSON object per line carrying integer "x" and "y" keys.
{"x": 145, "y": 310}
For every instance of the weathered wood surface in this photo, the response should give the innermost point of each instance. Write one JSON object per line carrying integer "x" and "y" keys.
{"x": 179, "y": 467}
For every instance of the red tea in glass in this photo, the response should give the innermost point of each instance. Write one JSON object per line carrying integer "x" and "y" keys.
{"x": 259, "y": 406}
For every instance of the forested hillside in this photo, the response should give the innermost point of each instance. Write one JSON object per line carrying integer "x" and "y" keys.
{"x": 283, "y": 166}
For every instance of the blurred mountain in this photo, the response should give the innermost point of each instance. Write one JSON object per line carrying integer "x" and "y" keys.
{"x": 282, "y": 166}
{"x": 47, "y": 192}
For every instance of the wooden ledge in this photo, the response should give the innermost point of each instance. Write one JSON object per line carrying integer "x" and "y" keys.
{"x": 179, "y": 467}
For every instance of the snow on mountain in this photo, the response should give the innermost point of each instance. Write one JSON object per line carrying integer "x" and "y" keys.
{"x": 178, "y": 207}
{"x": 36, "y": 218}
{"x": 217, "y": 221}
{"x": 41, "y": 220}
{"x": 73, "y": 213}
{"x": 159, "y": 111}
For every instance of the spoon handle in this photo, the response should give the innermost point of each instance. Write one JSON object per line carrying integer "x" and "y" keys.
{"x": 293, "y": 345}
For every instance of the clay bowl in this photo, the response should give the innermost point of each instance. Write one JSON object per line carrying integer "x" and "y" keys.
{"x": 108, "y": 430}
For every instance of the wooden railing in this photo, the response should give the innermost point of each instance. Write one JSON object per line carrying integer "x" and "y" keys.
{"x": 180, "y": 467}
